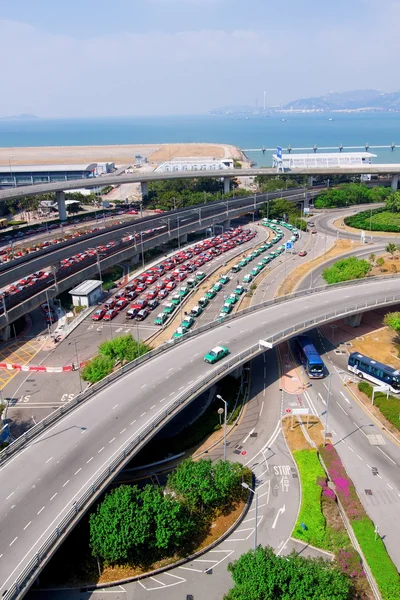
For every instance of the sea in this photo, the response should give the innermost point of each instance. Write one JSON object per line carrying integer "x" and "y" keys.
{"x": 252, "y": 133}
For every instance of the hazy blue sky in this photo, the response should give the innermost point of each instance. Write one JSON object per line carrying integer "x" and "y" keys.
{"x": 141, "y": 57}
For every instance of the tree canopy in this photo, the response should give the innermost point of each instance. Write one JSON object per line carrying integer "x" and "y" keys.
{"x": 347, "y": 269}
{"x": 260, "y": 575}
{"x": 349, "y": 194}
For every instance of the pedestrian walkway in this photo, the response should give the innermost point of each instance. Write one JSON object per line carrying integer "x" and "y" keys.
{"x": 19, "y": 352}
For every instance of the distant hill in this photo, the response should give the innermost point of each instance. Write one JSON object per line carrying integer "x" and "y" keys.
{"x": 23, "y": 117}
{"x": 356, "y": 100}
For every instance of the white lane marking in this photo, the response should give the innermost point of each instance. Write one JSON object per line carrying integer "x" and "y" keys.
{"x": 389, "y": 486}
{"x": 133, "y": 422}
{"x": 189, "y": 569}
{"x": 115, "y": 406}
{"x": 122, "y": 431}
{"x": 181, "y": 388}
{"x": 175, "y": 576}
{"x": 262, "y": 407}
{"x": 8, "y": 497}
{"x": 340, "y": 406}
{"x": 247, "y": 436}
{"x": 350, "y": 448}
{"x": 380, "y": 449}
{"x": 358, "y": 456}
{"x": 347, "y": 400}
{"x": 83, "y": 431}
{"x": 76, "y": 472}
{"x": 101, "y": 450}
{"x": 111, "y": 440}
{"x": 151, "y": 407}
{"x": 171, "y": 369}
{"x": 144, "y": 385}
{"x": 380, "y": 477}
{"x": 26, "y": 526}
{"x": 142, "y": 415}
{"x": 359, "y": 429}
{"x": 369, "y": 466}
{"x": 40, "y": 510}
{"x": 48, "y": 460}
{"x": 322, "y": 398}
{"x": 158, "y": 581}
{"x": 53, "y": 496}
{"x": 172, "y": 393}
{"x": 14, "y": 540}
{"x": 88, "y": 461}
{"x": 66, "y": 483}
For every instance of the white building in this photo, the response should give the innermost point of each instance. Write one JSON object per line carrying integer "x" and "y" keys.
{"x": 87, "y": 293}
{"x": 195, "y": 164}
{"x": 321, "y": 160}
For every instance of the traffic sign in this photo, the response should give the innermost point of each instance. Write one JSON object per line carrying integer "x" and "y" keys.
{"x": 288, "y": 410}
{"x": 243, "y": 452}
{"x": 289, "y": 245}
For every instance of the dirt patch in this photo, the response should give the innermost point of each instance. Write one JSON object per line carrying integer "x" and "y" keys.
{"x": 295, "y": 277}
{"x": 380, "y": 344}
{"x": 294, "y": 437}
{"x": 218, "y": 527}
{"x": 170, "y": 151}
{"x": 340, "y": 224}
{"x": 391, "y": 265}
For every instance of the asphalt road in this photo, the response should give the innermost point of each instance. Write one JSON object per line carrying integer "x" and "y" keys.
{"x": 40, "y": 483}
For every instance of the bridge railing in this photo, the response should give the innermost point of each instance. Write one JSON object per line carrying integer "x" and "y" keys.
{"x": 30, "y": 572}
{"x": 60, "y": 412}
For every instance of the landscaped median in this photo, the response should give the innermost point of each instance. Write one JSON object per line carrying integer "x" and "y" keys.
{"x": 326, "y": 488}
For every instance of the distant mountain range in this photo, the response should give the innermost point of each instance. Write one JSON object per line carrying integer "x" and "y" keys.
{"x": 23, "y": 117}
{"x": 353, "y": 101}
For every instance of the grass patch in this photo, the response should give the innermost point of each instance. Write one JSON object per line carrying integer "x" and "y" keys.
{"x": 380, "y": 563}
{"x": 389, "y": 407}
{"x": 311, "y": 511}
{"x": 382, "y": 220}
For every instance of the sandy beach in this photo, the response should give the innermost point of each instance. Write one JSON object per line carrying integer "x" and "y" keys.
{"x": 120, "y": 155}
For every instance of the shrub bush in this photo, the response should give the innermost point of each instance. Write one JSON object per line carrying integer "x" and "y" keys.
{"x": 347, "y": 269}
{"x": 382, "y": 220}
{"x": 365, "y": 388}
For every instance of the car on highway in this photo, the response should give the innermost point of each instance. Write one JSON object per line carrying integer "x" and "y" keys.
{"x": 196, "y": 310}
{"x": 169, "y": 308}
{"x": 303, "y": 253}
{"x": 187, "y": 322}
{"x": 231, "y": 299}
{"x": 160, "y": 318}
{"x": 247, "y": 278}
{"x": 314, "y": 231}
{"x": 139, "y": 304}
{"x": 141, "y": 287}
{"x": 211, "y": 294}
{"x": 151, "y": 294}
{"x": 203, "y": 301}
{"x": 217, "y": 287}
{"x": 110, "y": 304}
{"x": 152, "y": 304}
{"x": 200, "y": 275}
{"x": 216, "y": 354}
{"x": 179, "y": 332}
{"x": 131, "y": 295}
{"x": 184, "y": 291}
{"x": 121, "y": 304}
{"x": 227, "y": 308}
{"x": 171, "y": 285}
{"x": 131, "y": 313}
{"x": 142, "y": 314}
{"x": 239, "y": 290}
{"x": 162, "y": 294}
{"x": 176, "y": 299}
{"x": 224, "y": 279}
{"x": 110, "y": 314}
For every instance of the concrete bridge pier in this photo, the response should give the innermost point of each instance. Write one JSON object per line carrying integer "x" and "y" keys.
{"x": 135, "y": 260}
{"x": 145, "y": 189}
{"x": 395, "y": 183}
{"x": 226, "y": 224}
{"x": 183, "y": 239}
{"x": 227, "y": 185}
{"x": 62, "y": 211}
{"x": 310, "y": 181}
{"x": 354, "y": 320}
{"x": 5, "y": 333}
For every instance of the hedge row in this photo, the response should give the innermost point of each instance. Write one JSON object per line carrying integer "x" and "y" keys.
{"x": 382, "y": 220}
{"x": 389, "y": 407}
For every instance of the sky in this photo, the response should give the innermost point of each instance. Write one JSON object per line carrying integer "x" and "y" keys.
{"x": 86, "y": 58}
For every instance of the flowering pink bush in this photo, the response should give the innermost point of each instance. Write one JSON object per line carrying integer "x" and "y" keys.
{"x": 350, "y": 563}
{"x": 345, "y": 489}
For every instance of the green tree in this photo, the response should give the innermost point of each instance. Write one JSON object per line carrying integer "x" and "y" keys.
{"x": 123, "y": 348}
{"x": 391, "y": 249}
{"x": 347, "y": 269}
{"x": 392, "y": 320}
{"x": 393, "y": 202}
{"x": 260, "y": 575}
{"x": 380, "y": 262}
{"x": 193, "y": 482}
{"x": 227, "y": 480}
{"x": 97, "y": 368}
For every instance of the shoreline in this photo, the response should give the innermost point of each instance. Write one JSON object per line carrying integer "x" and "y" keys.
{"x": 120, "y": 154}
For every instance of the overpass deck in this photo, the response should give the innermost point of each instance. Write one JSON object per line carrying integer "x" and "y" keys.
{"x": 52, "y": 480}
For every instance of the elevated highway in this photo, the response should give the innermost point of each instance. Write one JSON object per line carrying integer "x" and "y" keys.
{"x": 226, "y": 174}
{"x": 51, "y": 476}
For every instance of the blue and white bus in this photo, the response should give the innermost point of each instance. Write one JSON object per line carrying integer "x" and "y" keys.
{"x": 378, "y": 373}
{"x": 312, "y": 362}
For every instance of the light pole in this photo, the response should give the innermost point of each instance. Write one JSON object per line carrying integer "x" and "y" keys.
{"x": 48, "y": 313}
{"x": 247, "y": 487}
{"x": 141, "y": 242}
{"x": 327, "y": 407}
{"x": 225, "y": 417}
{"x": 4, "y": 305}
{"x": 179, "y": 237}
{"x": 78, "y": 366}
{"x": 98, "y": 265}
{"x": 220, "y": 411}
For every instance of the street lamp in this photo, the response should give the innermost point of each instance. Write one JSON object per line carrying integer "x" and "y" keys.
{"x": 247, "y": 487}
{"x": 78, "y": 366}
{"x": 225, "y": 418}
{"x": 220, "y": 411}
{"x": 4, "y": 305}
